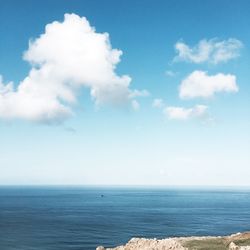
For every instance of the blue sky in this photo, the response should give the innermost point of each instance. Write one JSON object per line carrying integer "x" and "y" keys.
{"x": 90, "y": 125}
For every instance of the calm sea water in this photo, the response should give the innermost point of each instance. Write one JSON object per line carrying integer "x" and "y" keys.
{"x": 58, "y": 218}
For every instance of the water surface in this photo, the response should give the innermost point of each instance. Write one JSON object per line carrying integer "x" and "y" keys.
{"x": 58, "y": 218}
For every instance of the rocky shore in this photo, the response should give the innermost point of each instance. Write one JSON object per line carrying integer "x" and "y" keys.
{"x": 239, "y": 241}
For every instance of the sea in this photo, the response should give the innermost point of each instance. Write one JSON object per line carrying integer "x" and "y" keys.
{"x": 82, "y": 218}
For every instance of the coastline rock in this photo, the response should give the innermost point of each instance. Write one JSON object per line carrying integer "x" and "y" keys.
{"x": 150, "y": 244}
{"x": 100, "y": 248}
{"x": 188, "y": 243}
{"x": 233, "y": 246}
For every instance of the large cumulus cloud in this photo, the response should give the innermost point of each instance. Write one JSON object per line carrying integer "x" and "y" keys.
{"x": 68, "y": 56}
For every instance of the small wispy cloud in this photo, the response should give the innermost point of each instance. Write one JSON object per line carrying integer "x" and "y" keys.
{"x": 181, "y": 113}
{"x": 158, "y": 103}
{"x": 212, "y": 51}
{"x": 200, "y": 84}
{"x": 135, "y": 105}
{"x": 139, "y": 93}
{"x": 170, "y": 73}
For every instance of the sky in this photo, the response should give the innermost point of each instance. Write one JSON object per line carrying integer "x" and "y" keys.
{"x": 125, "y": 92}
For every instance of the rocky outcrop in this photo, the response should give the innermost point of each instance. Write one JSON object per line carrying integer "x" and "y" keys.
{"x": 147, "y": 244}
{"x": 233, "y": 246}
{"x": 239, "y": 241}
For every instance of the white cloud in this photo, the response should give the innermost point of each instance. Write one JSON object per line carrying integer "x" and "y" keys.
{"x": 158, "y": 103}
{"x": 212, "y": 51}
{"x": 28, "y": 103}
{"x": 135, "y": 105}
{"x": 200, "y": 84}
{"x": 69, "y": 55}
{"x": 170, "y": 73}
{"x": 180, "y": 113}
{"x": 138, "y": 93}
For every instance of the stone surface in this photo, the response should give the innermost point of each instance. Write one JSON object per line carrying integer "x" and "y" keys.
{"x": 150, "y": 244}
{"x": 227, "y": 242}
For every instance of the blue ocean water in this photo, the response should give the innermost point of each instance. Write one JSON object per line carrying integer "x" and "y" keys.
{"x": 58, "y": 218}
